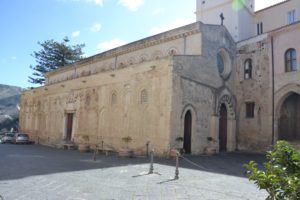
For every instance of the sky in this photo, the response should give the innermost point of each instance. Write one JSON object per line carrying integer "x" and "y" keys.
{"x": 99, "y": 24}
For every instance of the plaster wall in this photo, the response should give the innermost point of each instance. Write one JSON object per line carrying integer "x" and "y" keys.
{"x": 277, "y": 16}
{"x": 97, "y": 116}
{"x": 182, "y": 41}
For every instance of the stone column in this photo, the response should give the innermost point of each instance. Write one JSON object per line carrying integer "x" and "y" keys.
{"x": 214, "y": 127}
{"x": 231, "y": 135}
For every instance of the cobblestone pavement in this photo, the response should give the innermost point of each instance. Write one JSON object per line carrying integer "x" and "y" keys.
{"x": 33, "y": 172}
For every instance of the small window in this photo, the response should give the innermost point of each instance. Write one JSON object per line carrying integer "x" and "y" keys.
{"x": 144, "y": 97}
{"x": 291, "y": 16}
{"x": 248, "y": 69}
{"x": 259, "y": 28}
{"x": 290, "y": 60}
{"x": 113, "y": 99}
{"x": 250, "y": 109}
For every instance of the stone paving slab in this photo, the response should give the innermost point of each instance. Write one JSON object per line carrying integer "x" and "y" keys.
{"x": 122, "y": 179}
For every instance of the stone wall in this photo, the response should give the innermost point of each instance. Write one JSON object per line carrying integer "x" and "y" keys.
{"x": 254, "y": 134}
{"x": 198, "y": 87}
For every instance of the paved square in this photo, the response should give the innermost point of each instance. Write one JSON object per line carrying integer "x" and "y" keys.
{"x": 33, "y": 172}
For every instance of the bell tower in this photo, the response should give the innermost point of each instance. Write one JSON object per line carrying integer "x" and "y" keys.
{"x": 236, "y": 15}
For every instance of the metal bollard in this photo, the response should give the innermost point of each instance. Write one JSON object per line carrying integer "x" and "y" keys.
{"x": 147, "y": 148}
{"x": 177, "y": 166}
{"x": 94, "y": 157}
{"x": 151, "y": 162}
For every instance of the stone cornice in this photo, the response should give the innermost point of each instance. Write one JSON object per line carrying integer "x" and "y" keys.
{"x": 171, "y": 35}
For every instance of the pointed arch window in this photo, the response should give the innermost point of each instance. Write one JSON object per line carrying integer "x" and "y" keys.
{"x": 144, "y": 96}
{"x": 290, "y": 60}
{"x": 114, "y": 99}
{"x": 248, "y": 69}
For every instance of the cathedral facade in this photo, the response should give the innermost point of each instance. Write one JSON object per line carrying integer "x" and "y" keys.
{"x": 227, "y": 82}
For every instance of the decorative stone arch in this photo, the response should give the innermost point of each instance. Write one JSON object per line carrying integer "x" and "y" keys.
{"x": 227, "y": 100}
{"x": 172, "y": 51}
{"x": 121, "y": 65}
{"x": 131, "y": 61}
{"x": 143, "y": 87}
{"x": 144, "y": 97}
{"x": 114, "y": 98}
{"x": 157, "y": 55}
{"x": 229, "y": 103}
{"x": 143, "y": 58}
{"x": 189, "y": 107}
{"x": 280, "y": 96}
{"x": 224, "y": 56}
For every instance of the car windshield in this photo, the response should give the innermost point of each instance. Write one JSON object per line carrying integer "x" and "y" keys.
{"x": 22, "y": 135}
{"x": 9, "y": 134}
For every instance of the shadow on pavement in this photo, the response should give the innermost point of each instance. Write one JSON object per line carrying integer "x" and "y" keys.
{"x": 20, "y": 161}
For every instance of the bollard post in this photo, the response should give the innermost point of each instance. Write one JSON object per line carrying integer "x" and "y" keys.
{"x": 94, "y": 157}
{"x": 147, "y": 148}
{"x": 151, "y": 162}
{"x": 177, "y": 166}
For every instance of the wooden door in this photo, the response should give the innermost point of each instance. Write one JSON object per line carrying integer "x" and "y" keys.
{"x": 69, "y": 126}
{"x": 289, "y": 126}
{"x": 187, "y": 133}
{"x": 223, "y": 129}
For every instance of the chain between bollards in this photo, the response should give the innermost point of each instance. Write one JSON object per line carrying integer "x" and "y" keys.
{"x": 151, "y": 162}
{"x": 177, "y": 166}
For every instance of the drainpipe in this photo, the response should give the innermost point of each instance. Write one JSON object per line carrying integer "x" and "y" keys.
{"x": 273, "y": 92}
{"x": 184, "y": 45}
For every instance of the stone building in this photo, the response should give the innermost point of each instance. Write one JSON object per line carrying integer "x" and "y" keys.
{"x": 201, "y": 87}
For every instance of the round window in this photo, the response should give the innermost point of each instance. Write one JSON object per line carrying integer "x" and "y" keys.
{"x": 224, "y": 64}
{"x": 220, "y": 63}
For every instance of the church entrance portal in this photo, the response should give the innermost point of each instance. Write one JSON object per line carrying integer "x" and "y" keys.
{"x": 223, "y": 129}
{"x": 289, "y": 126}
{"x": 69, "y": 126}
{"x": 187, "y": 132}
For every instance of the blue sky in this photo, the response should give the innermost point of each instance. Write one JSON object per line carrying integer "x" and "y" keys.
{"x": 99, "y": 24}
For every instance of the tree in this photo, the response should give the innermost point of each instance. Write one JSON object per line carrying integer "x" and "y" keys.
{"x": 53, "y": 55}
{"x": 281, "y": 176}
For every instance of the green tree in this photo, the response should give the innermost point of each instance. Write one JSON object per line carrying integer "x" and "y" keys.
{"x": 53, "y": 55}
{"x": 281, "y": 174}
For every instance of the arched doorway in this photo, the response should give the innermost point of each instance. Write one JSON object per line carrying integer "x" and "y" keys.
{"x": 223, "y": 129}
{"x": 289, "y": 118}
{"x": 187, "y": 140}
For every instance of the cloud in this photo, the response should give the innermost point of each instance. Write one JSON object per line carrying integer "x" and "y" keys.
{"x": 175, "y": 24}
{"x": 116, "y": 42}
{"x": 132, "y": 5}
{"x": 75, "y": 34}
{"x": 13, "y": 57}
{"x": 96, "y": 27}
{"x": 97, "y": 2}
{"x": 158, "y": 11}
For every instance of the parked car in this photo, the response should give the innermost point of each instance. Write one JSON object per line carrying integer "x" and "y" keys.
{"x": 8, "y": 138}
{"x": 1, "y": 136}
{"x": 21, "y": 138}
